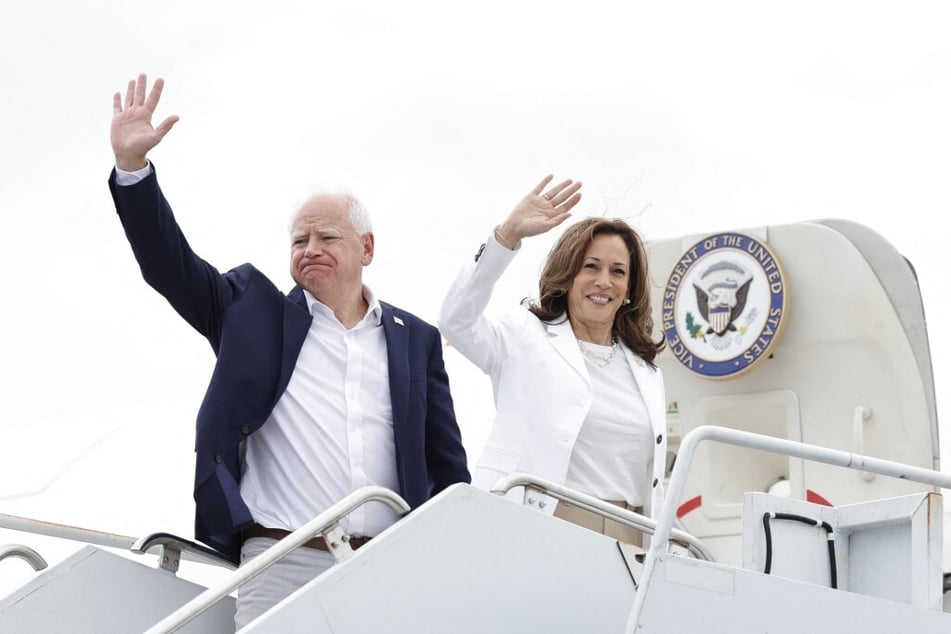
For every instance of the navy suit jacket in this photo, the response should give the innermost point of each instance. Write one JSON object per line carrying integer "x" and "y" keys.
{"x": 256, "y": 332}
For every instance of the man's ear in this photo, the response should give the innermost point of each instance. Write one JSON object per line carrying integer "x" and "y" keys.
{"x": 367, "y": 249}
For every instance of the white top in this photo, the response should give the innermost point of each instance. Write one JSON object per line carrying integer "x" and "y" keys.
{"x": 611, "y": 459}
{"x": 331, "y": 431}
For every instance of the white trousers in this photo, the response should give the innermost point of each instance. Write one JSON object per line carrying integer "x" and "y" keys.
{"x": 268, "y": 588}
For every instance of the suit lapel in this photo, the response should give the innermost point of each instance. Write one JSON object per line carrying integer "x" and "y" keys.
{"x": 563, "y": 340}
{"x": 297, "y": 320}
{"x": 396, "y": 333}
{"x": 646, "y": 378}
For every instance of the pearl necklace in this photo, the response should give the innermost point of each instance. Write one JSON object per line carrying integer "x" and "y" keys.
{"x": 597, "y": 359}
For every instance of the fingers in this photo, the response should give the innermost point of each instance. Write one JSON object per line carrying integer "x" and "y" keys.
{"x": 140, "y": 86}
{"x": 563, "y": 192}
{"x": 129, "y": 93}
{"x": 135, "y": 95}
{"x": 538, "y": 188}
{"x": 554, "y": 221}
{"x": 571, "y": 202}
{"x": 155, "y": 95}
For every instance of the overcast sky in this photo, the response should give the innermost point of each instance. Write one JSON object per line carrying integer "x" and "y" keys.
{"x": 681, "y": 117}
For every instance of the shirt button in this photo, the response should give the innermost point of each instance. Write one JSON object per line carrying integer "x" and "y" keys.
{"x": 660, "y": 437}
{"x": 479, "y": 252}
{"x": 654, "y": 484}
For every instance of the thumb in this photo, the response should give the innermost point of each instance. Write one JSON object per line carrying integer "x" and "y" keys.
{"x": 163, "y": 128}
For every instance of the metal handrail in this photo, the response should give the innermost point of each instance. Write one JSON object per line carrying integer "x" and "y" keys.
{"x": 94, "y": 537}
{"x": 25, "y": 553}
{"x": 173, "y": 548}
{"x": 771, "y": 444}
{"x": 592, "y": 504}
{"x": 278, "y": 551}
{"x": 65, "y": 531}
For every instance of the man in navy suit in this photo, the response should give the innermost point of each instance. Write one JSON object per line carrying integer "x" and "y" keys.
{"x": 314, "y": 393}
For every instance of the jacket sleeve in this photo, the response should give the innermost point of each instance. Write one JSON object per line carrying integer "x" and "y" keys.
{"x": 445, "y": 454}
{"x": 461, "y": 318}
{"x": 197, "y": 291}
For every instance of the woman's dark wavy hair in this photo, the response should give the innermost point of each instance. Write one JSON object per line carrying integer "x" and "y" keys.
{"x": 632, "y": 323}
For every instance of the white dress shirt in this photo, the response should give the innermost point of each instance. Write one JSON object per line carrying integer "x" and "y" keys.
{"x": 331, "y": 431}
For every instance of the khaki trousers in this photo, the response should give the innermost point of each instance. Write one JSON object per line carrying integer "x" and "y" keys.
{"x": 600, "y": 524}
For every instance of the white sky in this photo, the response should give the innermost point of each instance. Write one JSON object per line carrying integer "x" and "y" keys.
{"x": 681, "y": 117}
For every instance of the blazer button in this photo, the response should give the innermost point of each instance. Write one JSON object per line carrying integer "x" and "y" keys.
{"x": 218, "y": 458}
{"x": 660, "y": 437}
{"x": 246, "y": 429}
{"x": 654, "y": 484}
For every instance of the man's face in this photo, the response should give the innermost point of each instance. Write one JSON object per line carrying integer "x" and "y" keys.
{"x": 327, "y": 255}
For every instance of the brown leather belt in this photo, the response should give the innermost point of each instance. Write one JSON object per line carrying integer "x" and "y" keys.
{"x": 256, "y": 530}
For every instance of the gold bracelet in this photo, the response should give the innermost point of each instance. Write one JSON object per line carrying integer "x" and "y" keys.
{"x": 502, "y": 241}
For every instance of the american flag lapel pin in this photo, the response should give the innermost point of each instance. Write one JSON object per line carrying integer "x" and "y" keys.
{"x": 398, "y": 321}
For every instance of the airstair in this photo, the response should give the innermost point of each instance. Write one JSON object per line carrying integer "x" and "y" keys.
{"x": 470, "y": 561}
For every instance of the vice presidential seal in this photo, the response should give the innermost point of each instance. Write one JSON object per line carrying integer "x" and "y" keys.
{"x": 724, "y": 305}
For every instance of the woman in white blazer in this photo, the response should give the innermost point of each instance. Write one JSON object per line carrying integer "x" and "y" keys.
{"x": 578, "y": 399}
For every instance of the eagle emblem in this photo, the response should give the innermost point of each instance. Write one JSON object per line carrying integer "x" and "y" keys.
{"x": 724, "y": 305}
{"x": 722, "y": 294}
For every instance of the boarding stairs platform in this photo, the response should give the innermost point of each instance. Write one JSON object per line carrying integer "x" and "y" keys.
{"x": 470, "y": 561}
{"x": 97, "y": 590}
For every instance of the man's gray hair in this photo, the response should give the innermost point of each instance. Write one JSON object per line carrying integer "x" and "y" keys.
{"x": 358, "y": 215}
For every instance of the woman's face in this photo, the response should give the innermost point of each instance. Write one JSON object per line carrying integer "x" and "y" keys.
{"x": 602, "y": 283}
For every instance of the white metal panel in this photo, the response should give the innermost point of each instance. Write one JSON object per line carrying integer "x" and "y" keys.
{"x": 467, "y": 562}
{"x": 95, "y": 591}
{"x": 689, "y": 595}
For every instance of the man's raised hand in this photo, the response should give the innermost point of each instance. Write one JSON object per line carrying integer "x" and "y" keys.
{"x": 132, "y": 133}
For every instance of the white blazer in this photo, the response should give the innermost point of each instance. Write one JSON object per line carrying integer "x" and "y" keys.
{"x": 540, "y": 382}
